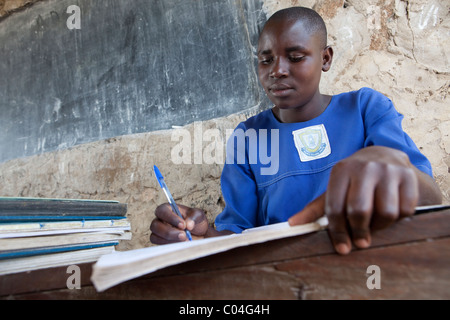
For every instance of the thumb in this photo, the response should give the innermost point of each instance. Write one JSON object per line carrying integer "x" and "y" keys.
{"x": 196, "y": 221}
{"x": 313, "y": 211}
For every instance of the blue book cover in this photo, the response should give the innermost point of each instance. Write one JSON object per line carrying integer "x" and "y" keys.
{"x": 56, "y": 249}
{"x": 62, "y": 208}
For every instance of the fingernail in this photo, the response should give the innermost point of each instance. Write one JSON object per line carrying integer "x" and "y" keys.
{"x": 181, "y": 225}
{"x": 190, "y": 224}
{"x": 342, "y": 248}
{"x": 362, "y": 243}
{"x": 182, "y": 236}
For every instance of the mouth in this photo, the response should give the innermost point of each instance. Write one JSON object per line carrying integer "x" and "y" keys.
{"x": 280, "y": 89}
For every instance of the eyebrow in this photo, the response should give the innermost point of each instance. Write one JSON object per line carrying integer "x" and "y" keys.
{"x": 296, "y": 48}
{"x": 290, "y": 49}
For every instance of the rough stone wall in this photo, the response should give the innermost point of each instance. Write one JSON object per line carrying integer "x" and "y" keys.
{"x": 122, "y": 169}
{"x": 396, "y": 47}
{"x": 400, "y": 49}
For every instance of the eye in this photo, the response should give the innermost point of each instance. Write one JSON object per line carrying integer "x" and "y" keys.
{"x": 266, "y": 60}
{"x": 296, "y": 58}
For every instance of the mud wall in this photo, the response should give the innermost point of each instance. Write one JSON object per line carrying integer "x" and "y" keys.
{"x": 396, "y": 47}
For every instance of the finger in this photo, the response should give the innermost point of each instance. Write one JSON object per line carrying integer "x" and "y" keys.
{"x": 164, "y": 213}
{"x": 386, "y": 203}
{"x": 190, "y": 224}
{"x": 155, "y": 239}
{"x": 338, "y": 233}
{"x": 335, "y": 198}
{"x": 313, "y": 211}
{"x": 336, "y": 193}
{"x": 196, "y": 220}
{"x": 359, "y": 204}
{"x": 185, "y": 211}
{"x": 164, "y": 232}
{"x": 409, "y": 194}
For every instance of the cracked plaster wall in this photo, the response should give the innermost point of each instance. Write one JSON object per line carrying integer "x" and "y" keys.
{"x": 397, "y": 47}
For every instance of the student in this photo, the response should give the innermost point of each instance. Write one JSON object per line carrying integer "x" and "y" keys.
{"x": 344, "y": 156}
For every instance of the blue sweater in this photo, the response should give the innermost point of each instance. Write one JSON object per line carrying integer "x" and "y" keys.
{"x": 274, "y": 169}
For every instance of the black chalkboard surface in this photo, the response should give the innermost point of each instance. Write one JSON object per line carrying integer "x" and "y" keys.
{"x": 133, "y": 66}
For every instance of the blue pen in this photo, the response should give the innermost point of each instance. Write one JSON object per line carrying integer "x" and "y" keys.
{"x": 163, "y": 185}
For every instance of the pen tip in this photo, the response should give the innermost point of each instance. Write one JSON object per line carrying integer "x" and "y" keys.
{"x": 158, "y": 175}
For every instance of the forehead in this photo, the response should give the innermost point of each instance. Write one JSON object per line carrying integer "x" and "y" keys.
{"x": 279, "y": 35}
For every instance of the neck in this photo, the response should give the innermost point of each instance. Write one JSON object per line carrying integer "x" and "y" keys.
{"x": 305, "y": 112}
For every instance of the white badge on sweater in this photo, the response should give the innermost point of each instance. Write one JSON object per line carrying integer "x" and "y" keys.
{"x": 312, "y": 143}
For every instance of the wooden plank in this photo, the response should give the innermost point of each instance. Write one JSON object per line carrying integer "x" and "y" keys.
{"x": 417, "y": 270}
{"x": 408, "y": 271}
{"x": 41, "y": 280}
{"x": 240, "y": 283}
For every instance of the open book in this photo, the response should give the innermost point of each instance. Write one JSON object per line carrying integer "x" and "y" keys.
{"x": 117, "y": 267}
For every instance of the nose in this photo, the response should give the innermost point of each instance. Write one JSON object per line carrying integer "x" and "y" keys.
{"x": 279, "y": 69}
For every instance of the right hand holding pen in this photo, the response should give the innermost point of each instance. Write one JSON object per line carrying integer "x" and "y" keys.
{"x": 168, "y": 227}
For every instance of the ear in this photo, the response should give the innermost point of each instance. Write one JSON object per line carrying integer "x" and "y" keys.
{"x": 327, "y": 58}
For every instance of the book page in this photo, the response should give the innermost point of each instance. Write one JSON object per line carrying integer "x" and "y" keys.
{"x": 118, "y": 267}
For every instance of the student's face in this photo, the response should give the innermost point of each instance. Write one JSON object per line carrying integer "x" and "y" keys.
{"x": 290, "y": 63}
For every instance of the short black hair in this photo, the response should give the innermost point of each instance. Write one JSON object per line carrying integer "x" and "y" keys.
{"x": 312, "y": 21}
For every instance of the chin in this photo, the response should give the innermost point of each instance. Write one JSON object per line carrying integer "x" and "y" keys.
{"x": 284, "y": 105}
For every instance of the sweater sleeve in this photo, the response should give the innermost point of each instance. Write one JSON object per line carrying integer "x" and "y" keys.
{"x": 238, "y": 186}
{"x": 383, "y": 126}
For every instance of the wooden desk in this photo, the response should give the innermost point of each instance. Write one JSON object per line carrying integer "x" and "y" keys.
{"x": 413, "y": 256}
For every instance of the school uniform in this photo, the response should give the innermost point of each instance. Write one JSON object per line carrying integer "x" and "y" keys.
{"x": 274, "y": 169}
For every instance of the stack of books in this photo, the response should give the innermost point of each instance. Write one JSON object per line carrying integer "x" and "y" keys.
{"x": 37, "y": 233}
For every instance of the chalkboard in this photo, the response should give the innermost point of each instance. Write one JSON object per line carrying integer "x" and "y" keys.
{"x": 133, "y": 66}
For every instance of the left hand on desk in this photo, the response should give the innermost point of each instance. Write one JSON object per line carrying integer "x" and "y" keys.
{"x": 369, "y": 190}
